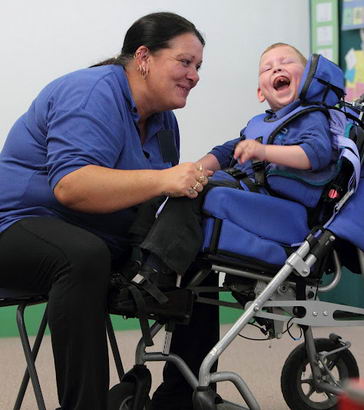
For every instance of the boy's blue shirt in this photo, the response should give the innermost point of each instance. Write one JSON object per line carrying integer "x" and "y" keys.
{"x": 311, "y": 132}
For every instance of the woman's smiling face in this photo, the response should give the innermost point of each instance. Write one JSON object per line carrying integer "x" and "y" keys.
{"x": 173, "y": 72}
{"x": 280, "y": 73}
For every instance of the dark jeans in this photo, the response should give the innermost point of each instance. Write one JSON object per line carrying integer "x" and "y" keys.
{"x": 73, "y": 266}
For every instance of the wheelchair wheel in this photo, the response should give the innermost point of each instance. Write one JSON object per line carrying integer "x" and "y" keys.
{"x": 121, "y": 397}
{"x": 297, "y": 383}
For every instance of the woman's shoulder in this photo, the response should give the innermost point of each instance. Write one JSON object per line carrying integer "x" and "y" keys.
{"x": 79, "y": 88}
{"x": 82, "y": 78}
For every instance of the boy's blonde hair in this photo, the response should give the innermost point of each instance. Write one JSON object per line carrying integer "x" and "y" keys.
{"x": 276, "y": 45}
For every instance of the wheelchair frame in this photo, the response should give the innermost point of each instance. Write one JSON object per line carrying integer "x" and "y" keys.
{"x": 276, "y": 302}
{"x": 282, "y": 307}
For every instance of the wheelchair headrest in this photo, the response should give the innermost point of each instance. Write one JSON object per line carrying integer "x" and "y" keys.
{"x": 322, "y": 82}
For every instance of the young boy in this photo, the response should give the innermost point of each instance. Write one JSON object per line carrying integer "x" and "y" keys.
{"x": 304, "y": 147}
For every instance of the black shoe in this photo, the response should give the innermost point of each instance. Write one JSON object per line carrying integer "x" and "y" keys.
{"x": 171, "y": 399}
{"x": 131, "y": 268}
{"x": 121, "y": 279}
{"x": 179, "y": 305}
{"x": 167, "y": 406}
{"x": 155, "y": 283}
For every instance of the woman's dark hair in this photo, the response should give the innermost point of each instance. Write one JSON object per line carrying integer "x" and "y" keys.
{"x": 154, "y": 31}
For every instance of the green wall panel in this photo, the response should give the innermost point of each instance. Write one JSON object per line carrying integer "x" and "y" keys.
{"x": 349, "y": 291}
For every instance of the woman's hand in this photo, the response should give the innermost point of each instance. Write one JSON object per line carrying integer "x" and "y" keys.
{"x": 186, "y": 179}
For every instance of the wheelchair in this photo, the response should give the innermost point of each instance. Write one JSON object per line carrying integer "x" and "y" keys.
{"x": 276, "y": 259}
{"x": 275, "y": 298}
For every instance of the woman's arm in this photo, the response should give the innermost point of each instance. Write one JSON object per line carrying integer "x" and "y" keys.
{"x": 95, "y": 189}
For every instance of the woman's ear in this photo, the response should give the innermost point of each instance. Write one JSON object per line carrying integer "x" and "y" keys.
{"x": 142, "y": 54}
{"x": 141, "y": 58}
{"x": 260, "y": 95}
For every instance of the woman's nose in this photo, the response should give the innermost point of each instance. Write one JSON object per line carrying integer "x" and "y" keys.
{"x": 193, "y": 75}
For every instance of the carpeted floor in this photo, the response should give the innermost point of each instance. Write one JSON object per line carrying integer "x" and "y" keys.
{"x": 259, "y": 363}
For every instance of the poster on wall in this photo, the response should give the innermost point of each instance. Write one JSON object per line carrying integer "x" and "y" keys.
{"x": 353, "y": 19}
{"x": 324, "y": 28}
{"x": 352, "y": 14}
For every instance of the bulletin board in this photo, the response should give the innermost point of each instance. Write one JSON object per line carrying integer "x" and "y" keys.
{"x": 352, "y": 46}
{"x": 325, "y": 28}
{"x": 337, "y": 32}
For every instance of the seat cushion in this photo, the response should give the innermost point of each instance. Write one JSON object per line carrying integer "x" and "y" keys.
{"x": 254, "y": 225}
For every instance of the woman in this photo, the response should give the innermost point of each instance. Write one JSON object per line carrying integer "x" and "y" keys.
{"x": 94, "y": 144}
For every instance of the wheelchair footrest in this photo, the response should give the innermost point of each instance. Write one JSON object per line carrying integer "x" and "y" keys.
{"x": 178, "y": 307}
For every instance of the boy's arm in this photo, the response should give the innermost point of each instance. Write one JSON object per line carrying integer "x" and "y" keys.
{"x": 220, "y": 156}
{"x": 209, "y": 161}
{"x": 287, "y": 155}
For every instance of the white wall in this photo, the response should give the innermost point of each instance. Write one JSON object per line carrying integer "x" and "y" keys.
{"x": 42, "y": 39}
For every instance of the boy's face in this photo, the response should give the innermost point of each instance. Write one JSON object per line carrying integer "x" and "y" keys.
{"x": 280, "y": 72}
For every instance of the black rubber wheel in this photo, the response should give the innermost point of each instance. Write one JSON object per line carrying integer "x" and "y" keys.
{"x": 121, "y": 397}
{"x": 297, "y": 382}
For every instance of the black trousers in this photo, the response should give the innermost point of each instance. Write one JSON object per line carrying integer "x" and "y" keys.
{"x": 73, "y": 266}
{"x": 176, "y": 235}
{"x": 192, "y": 343}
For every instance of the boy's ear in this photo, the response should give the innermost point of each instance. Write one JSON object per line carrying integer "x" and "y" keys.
{"x": 260, "y": 95}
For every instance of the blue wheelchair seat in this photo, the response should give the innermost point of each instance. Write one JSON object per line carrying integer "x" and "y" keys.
{"x": 261, "y": 227}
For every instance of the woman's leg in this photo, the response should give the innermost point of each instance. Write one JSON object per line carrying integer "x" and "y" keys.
{"x": 73, "y": 266}
{"x": 192, "y": 343}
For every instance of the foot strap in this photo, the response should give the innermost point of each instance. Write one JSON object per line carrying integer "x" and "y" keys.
{"x": 142, "y": 314}
{"x": 154, "y": 291}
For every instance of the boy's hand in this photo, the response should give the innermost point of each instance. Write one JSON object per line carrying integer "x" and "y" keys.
{"x": 249, "y": 149}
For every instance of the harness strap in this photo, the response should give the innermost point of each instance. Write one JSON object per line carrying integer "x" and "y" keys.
{"x": 142, "y": 314}
{"x": 242, "y": 176}
{"x": 259, "y": 172}
{"x": 304, "y": 111}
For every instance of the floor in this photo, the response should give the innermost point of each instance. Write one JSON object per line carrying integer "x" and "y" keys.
{"x": 259, "y": 363}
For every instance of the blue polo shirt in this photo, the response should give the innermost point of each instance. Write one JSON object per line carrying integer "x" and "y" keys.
{"x": 83, "y": 118}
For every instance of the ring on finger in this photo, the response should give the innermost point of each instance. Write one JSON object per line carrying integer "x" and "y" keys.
{"x": 202, "y": 179}
{"x": 200, "y": 168}
{"x": 191, "y": 191}
{"x": 197, "y": 184}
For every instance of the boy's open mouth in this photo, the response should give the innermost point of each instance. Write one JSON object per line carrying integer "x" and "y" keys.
{"x": 281, "y": 83}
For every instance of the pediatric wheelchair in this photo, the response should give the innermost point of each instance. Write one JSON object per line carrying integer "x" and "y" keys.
{"x": 276, "y": 259}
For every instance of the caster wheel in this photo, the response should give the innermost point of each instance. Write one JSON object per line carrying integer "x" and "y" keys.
{"x": 297, "y": 383}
